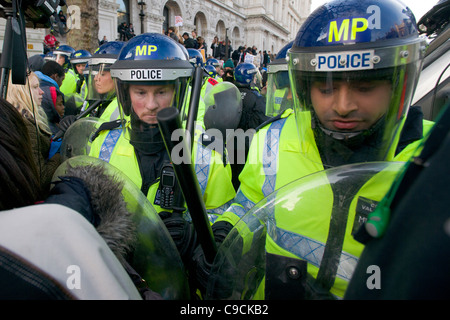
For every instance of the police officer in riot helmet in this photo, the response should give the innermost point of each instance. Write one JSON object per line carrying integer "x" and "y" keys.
{"x": 253, "y": 102}
{"x": 357, "y": 101}
{"x": 253, "y": 111}
{"x": 100, "y": 83}
{"x": 353, "y": 68}
{"x": 79, "y": 60}
{"x": 152, "y": 72}
{"x": 278, "y": 91}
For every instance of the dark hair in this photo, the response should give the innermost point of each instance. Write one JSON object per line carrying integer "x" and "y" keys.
{"x": 20, "y": 179}
{"x": 52, "y": 67}
{"x": 36, "y": 62}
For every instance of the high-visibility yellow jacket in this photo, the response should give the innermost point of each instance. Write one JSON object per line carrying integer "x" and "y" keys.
{"x": 214, "y": 178}
{"x": 69, "y": 84}
{"x": 274, "y": 161}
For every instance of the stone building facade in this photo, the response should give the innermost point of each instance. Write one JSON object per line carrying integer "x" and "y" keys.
{"x": 266, "y": 24}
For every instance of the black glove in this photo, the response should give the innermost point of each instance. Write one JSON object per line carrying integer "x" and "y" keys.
{"x": 200, "y": 268}
{"x": 64, "y": 124}
{"x": 182, "y": 233}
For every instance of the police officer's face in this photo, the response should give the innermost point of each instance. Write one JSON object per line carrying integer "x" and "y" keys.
{"x": 350, "y": 106}
{"x": 60, "y": 59}
{"x": 148, "y": 100}
{"x": 103, "y": 82}
{"x": 80, "y": 67}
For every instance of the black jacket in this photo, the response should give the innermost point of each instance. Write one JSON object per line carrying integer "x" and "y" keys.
{"x": 253, "y": 109}
{"x": 413, "y": 255}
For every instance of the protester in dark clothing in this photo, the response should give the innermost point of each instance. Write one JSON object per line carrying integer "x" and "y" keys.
{"x": 50, "y": 79}
{"x": 103, "y": 41}
{"x": 62, "y": 18}
{"x": 171, "y": 33}
{"x": 54, "y": 108}
{"x": 188, "y": 41}
{"x": 194, "y": 37}
{"x": 130, "y": 32}
{"x": 202, "y": 45}
{"x": 236, "y": 55}
{"x": 78, "y": 210}
{"x": 215, "y": 48}
{"x": 228, "y": 71}
{"x": 266, "y": 59}
{"x": 122, "y": 29}
{"x": 253, "y": 111}
{"x": 29, "y": 106}
{"x": 224, "y": 54}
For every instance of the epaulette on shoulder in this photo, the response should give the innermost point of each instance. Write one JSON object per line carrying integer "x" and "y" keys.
{"x": 268, "y": 121}
{"x": 213, "y": 81}
{"x": 106, "y": 126}
{"x": 273, "y": 119}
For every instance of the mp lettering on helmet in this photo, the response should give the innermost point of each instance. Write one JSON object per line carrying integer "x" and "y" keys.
{"x": 355, "y": 29}
{"x": 146, "y": 50}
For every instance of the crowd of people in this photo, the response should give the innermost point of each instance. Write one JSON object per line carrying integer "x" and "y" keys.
{"x": 301, "y": 118}
{"x": 126, "y": 31}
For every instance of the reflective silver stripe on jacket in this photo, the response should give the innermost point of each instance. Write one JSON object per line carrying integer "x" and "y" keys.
{"x": 202, "y": 160}
{"x": 244, "y": 202}
{"x": 270, "y": 156}
{"x": 109, "y": 143}
{"x": 309, "y": 249}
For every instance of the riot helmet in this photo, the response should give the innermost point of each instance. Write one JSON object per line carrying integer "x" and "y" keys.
{"x": 62, "y": 55}
{"x": 244, "y": 74}
{"x": 49, "y": 56}
{"x": 279, "y": 94}
{"x": 100, "y": 83}
{"x": 79, "y": 59}
{"x": 353, "y": 68}
{"x": 195, "y": 57}
{"x": 213, "y": 62}
{"x": 152, "y": 72}
{"x": 223, "y": 109}
{"x": 211, "y": 71}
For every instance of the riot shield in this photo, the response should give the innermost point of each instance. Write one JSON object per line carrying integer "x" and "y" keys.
{"x": 77, "y": 139}
{"x": 155, "y": 256}
{"x": 294, "y": 224}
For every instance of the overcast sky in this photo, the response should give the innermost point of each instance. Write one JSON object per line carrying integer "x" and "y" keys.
{"x": 418, "y": 7}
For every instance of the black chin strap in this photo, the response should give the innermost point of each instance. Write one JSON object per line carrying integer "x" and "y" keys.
{"x": 362, "y": 147}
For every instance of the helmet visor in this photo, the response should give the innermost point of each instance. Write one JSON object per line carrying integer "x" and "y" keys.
{"x": 279, "y": 94}
{"x": 61, "y": 58}
{"x": 351, "y": 115}
{"x": 100, "y": 83}
{"x": 140, "y": 102}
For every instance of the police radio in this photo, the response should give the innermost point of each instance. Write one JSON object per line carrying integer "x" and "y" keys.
{"x": 170, "y": 194}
